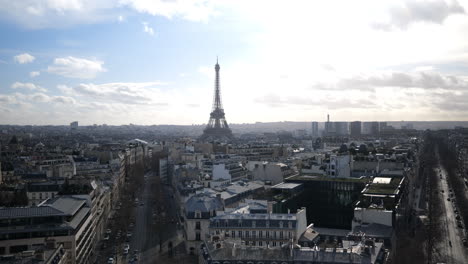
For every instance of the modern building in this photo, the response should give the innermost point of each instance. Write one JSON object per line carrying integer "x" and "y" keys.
{"x": 337, "y": 210}
{"x": 355, "y": 129}
{"x": 50, "y": 253}
{"x": 370, "y": 128}
{"x": 67, "y": 219}
{"x": 315, "y": 129}
{"x": 74, "y": 125}
{"x": 338, "y": 129}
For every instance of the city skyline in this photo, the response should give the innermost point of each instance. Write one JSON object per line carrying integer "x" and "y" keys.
{"x": 150, "y": 62}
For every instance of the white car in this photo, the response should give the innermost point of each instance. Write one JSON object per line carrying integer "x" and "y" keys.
{"x": 126, "y": 247}
{"x": 110, "y": 261}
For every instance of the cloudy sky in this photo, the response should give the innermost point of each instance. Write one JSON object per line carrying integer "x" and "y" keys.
{"x": 152, "y": 62}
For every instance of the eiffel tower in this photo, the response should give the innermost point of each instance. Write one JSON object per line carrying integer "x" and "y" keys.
{"x": 217, "y": 128}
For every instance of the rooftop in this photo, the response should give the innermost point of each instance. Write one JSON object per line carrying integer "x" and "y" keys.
{"x": 60, "y": 206}
{"x": 305, "y": 177}
{"x": 384, "y": 185}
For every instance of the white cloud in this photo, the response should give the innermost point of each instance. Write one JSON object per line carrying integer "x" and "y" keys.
{"x": 38, "y": 14}
{"x": 147, "y": 28}
{"x": 73, "y": 67}
{"x": 29, "y": 86}
{"x": 125, "y": 93}
{"x": 120, "y": 18}
{"x": 404, "y": 13}
{"x": 195, "y": 10}
{"x": 420, "y": 79}
{"x": 34, "y": 74}
{"x": 24, "y": 58}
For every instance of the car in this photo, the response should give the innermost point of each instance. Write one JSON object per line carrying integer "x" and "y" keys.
{"x": 135, "y": 257}
{"x": 110, "y": 261}
{"x": 142, "y": 203}
{"x": 106, "y": 237}
{"x": 135, "y": 251}
{"x": 129, "y": 234}
{"x": 108, "y": 231}
{"x": 125, "y": 251}
{"x": 127, "y": 246}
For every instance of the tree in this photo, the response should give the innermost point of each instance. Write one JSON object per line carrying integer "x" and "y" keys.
{"x": 363, "y": 149}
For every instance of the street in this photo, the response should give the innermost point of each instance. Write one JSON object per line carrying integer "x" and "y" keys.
{"x": 455, "y": 250}
{"x": 153, "y": 229}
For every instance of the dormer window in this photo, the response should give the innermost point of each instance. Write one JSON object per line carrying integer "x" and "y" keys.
{"x": 197, "y": 214}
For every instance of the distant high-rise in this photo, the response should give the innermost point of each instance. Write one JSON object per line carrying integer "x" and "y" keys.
{"x": 355, "y": 129}
{"x": 335, "y": 128}
{"x": 370, "y": 128}
{"x": 315, "y": 131}
{"x": 217, "y": 128}
{"x": 341, "y": 128}
{"x": 74, "y": 125}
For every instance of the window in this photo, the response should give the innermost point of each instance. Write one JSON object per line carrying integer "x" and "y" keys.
{"x": 260, "y": 234}
{"x": 267, "y": 234}
{"x": 239, "y": 234}
{"x": 254, "y": 234}
{"x": 197, "y": 214}
{"x": 274, "y": 243}
{"x": 233, "y": 234}
{"x": 289, "y": 234}
{"x": 274, "y": 234}
{"x": 247, "y": 233}
{"x": 281, "y": 243}
{"x": 281, "y": 234}
{"x": 197, "y": 236}
{"x": 197, "y": 225}
{"x": 260, "y": 244}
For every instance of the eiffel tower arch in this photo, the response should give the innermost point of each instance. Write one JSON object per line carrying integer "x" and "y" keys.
{"x": 217, "y": 128}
